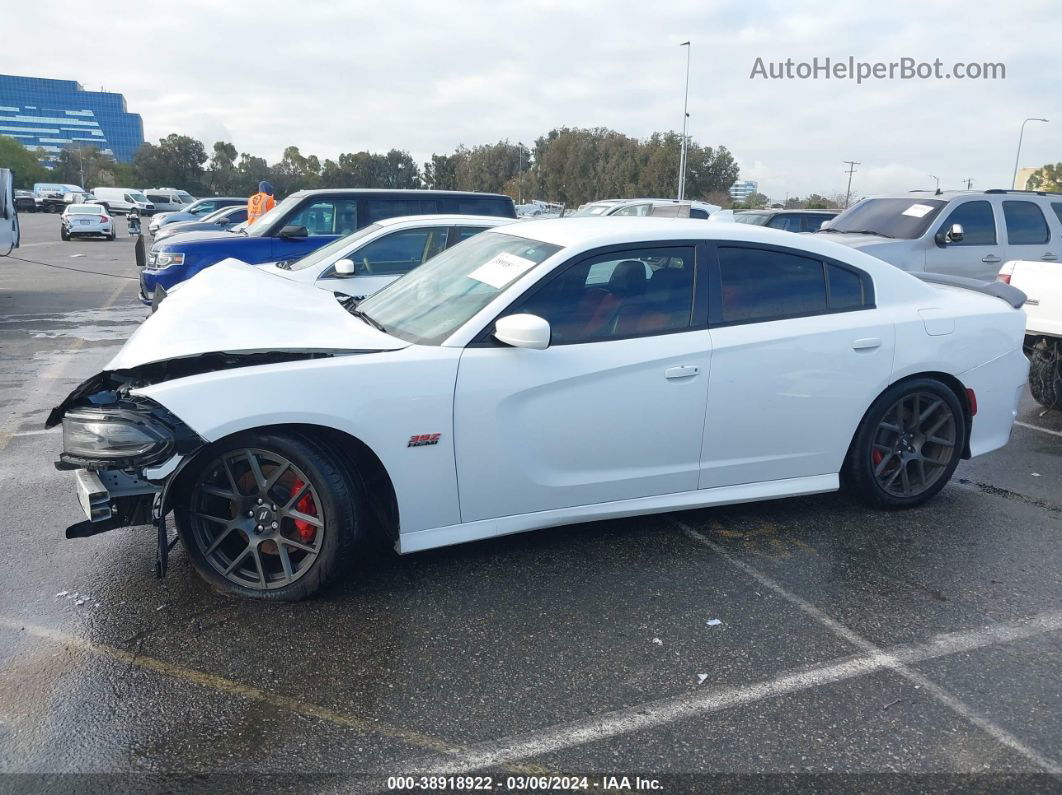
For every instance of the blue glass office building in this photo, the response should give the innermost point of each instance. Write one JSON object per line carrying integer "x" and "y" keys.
{"x": 53, "y": 114}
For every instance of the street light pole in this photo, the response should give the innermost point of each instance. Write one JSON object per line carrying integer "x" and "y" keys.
{"x": 937, "y": 188}
{"x": 1021, "y": 135}
{"x": 685, "y": 119}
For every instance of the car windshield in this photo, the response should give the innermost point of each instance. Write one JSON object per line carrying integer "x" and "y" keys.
{"x": 906, "y": 219}
{"x": 333, "y": 250}
{"x": 220, "y": 213}
{"x": 759, "y": 219}
{"x": 140, "y": 197}
{"x": 261, "y": 226}
{"x": 594, "y": 209}
{"x": 437, "y": 298}
{"x": 187, "y": 198}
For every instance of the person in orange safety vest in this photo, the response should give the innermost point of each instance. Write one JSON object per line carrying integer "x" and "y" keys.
{"x": 261, "y": 203}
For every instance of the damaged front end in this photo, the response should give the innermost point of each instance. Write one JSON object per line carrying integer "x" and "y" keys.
{"x": 125, "y": 448}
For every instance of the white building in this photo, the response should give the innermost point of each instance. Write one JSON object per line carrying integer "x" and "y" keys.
{"x": 742, "y": 189}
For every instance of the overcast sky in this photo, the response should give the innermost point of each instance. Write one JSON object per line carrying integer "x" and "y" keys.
{"x": 427, "y": 76}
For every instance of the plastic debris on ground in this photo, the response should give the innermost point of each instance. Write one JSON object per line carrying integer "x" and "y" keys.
{"x": 701, "y": 678}
{"x": 713, "y": 622}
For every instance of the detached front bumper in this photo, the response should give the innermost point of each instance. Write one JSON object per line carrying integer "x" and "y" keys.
{"x": 112, "y": 499}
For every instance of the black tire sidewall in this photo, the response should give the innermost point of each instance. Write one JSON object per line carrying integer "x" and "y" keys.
{"x": 341, "y": 512}
{"x": 858, "y": 472}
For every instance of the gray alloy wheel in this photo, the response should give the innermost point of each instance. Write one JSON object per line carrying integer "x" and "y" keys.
{"x": 915, "y": 444}
{"x": 257, "y": 519}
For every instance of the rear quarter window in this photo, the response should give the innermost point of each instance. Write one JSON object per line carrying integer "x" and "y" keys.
{"x": 1026, "y": 224}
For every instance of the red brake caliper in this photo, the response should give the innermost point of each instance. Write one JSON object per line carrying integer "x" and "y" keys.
{"x": 876, "y": 457}
{"x": 305, "y": 505}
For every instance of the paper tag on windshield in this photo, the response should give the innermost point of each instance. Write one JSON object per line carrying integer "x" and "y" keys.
{"x": 918, "y": 210}
{"x": 501, "y": 270}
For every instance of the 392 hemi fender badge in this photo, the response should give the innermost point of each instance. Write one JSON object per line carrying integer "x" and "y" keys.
{"x": 423, "y": 439}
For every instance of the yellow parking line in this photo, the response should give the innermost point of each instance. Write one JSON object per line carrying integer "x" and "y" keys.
{"x": 228, "y": 686}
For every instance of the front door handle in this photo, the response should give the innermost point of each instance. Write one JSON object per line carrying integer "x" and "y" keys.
{"x": 682, "y": 371}
{"x": 866, "y": 344}
{"x": 991, "y": 258}
{"x": 1049, "y": 257}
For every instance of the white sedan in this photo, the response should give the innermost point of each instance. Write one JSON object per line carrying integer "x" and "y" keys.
{"x": 360, "y": 264}
{"x": 541, "y": 374}
{"x": 86, "y": 220}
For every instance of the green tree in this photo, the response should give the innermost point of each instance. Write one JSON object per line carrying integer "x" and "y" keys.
{"x": 223, "y": 176}
{"x": 396, "y": 169}
{"x": 489, "y": 167}
{"x": 249, "y": 172}
{"x": 23, "y": 162}
{"x": 295, "y": 172}
{"x": 1048, "y": 178}
{"x": 440, "y": 173}
{"x": 175, "y": 162}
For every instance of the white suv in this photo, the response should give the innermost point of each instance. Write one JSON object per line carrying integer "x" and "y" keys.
{"x": 959, "y": 233}
{"x": 1042, "y": 284}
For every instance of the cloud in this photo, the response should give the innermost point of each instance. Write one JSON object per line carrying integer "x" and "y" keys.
{"x": 425, "y": 76}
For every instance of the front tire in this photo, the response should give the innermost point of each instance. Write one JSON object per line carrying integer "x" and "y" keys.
{"x": 270, "y": 516}
{"x": 64, "y": 234}
{"x": 907, "y": 446}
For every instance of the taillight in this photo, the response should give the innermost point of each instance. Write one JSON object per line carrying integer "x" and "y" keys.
{"x": 104, "y": 218}
{"x": 1003, "y": 277}
{"x": 971, "y": 399}
{"x": 1005, "y": 272}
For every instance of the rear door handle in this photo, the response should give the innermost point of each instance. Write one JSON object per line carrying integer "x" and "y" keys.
{"x": 1049, "y": 257}
{"x": 991, "y": 258}
{"x": 866, "y": 344}
{"x": 682, "y": 371}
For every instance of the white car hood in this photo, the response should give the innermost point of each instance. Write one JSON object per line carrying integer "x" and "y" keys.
{"x": 232, "y": 307}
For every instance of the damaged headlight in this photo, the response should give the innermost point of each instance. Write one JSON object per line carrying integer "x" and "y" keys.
{"x": 113, "y": 436}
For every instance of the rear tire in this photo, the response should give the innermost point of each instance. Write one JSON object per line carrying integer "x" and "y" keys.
{"x": 907, "y": 446}
{"x": 1045, "y": 376}
{"x": 292, "y": 561}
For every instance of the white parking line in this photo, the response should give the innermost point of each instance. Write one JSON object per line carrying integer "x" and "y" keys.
{"x": 699, "y": 703}
{"x": 889, "y": 661}
{"x": 1037, "y": 428}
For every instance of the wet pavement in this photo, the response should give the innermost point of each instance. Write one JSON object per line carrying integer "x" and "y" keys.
{"x": 854, "y": 647}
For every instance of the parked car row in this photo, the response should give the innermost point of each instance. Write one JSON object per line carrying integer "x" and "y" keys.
{"x": 301, "y": 223}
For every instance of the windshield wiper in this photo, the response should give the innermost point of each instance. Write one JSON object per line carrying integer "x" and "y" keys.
{"x": 370, "y": 320}
{"x": 861, "y": 232}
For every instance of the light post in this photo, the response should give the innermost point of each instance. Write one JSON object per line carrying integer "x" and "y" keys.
{"x": 1018, "y": 155}
{"x": 937, "y": 188}
{"x": 685, "y": 119}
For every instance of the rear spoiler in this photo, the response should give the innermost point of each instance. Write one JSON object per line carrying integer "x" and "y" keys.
{"x": 1012, "y": 295}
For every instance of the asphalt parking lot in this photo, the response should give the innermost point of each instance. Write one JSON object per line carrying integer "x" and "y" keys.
{"x": 813, "y": 640}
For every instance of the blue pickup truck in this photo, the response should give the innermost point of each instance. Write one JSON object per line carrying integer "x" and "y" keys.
{"x": 302, "y": 222}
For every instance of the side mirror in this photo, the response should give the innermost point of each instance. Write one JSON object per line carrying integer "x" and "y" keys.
{"x": 954, "y": 234}
{"x": 292, "y": 230}
{"x": 523, "y": 331}
{"x": 344, "y": 267}
{"x": 824, "y": 225}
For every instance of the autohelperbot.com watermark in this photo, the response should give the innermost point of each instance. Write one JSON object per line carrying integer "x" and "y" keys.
{"x": 860, "y": 71}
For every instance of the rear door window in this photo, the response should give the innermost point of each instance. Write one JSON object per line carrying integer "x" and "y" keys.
{"x": 760, "y": 284}
{"x": 472, "y": 205}
{"x": 382, "y": 209}
{"x": 1026, "y": 224}
{"x": 978, "y": 224}
{"x": 327, "y": 217}
{"x": 399, "y": 252}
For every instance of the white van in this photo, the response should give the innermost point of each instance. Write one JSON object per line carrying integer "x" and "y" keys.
{"x": 168, "y": 200}
{"x": 121, "y": 200}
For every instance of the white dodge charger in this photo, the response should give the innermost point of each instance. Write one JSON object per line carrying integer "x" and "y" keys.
{"x": 537, "y": 374}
